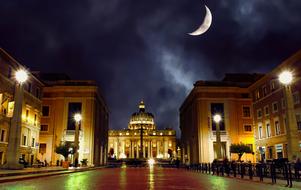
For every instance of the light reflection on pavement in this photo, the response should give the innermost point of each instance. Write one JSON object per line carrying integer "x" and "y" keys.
{"x": 135, "y": 179}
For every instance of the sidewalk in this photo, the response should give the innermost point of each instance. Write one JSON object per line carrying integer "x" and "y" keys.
{"x": 29, "y": 173}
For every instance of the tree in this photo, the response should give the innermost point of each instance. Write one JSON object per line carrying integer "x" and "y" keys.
{"x": 64, "y": 150}
{"x": 240, "y": 149}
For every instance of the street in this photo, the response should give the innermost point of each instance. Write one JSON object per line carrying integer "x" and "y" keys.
{"x": 136, "y": 178}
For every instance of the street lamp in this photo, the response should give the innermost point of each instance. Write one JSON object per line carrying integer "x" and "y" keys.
{"x": 293, "y": 149}
{"x": 217, "y": 118}
{"x": 77, "y": 118}
{"x": 13, "y": 149}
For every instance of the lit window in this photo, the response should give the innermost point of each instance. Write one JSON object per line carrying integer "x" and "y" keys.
{"x": 277, "y": 128}
{"x": 260, "y": 132}
{"x": 268, "y": 130}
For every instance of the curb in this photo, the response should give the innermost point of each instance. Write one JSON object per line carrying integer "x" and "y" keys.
{"x": 43, "y": 174}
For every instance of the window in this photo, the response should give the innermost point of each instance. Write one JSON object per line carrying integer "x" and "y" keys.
{"x": 218, "y": 108}
{"x": 259, "y": 114}
{"x": 24, "y": 142}
{"x": 29, "y": 86}
{"x": 27, "y": 114}
{"x": 257, "y": 95}
{"x": 38, "y": 92}
{"x": 266, "y": 110}
{"x": 73, "y": 107}
{"x": 273, "y": 85}
{"x": 35, "y": 120}
{"x": 277, "y": 128}
{"x": 248, "y": 128}
{"x": 298, "y": 118}
{"x": 283, "y": 105}
{"x": 296, "y": 98}
{"x": 275, "y": 107}
{"x": 268, "y": 130}
{"x": 2, "y": 138}
{"x": 33, "y": 142}
{"x": 9, "y": 72}
{"x": 42, "y": 148}
{"x": 44, "y": 127}
{"x": 246, "y": 111}
{"x": 260, "y": 132}
{"x": 45, "y": 111}
{"x": 265, "y": 90}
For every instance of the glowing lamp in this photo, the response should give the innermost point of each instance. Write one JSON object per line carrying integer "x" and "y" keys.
{"x": 217, "y": 118}
{"x": 77, "y": 117}
{"x": 151, "y": 161}
{"x": 21, "y": 76}
{"x": 286, "y": 77}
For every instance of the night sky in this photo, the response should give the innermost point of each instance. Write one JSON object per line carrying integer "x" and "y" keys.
{"x": 139, "y": 49}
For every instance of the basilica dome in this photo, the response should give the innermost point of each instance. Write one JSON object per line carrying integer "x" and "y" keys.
{"x": 142, "y": 119}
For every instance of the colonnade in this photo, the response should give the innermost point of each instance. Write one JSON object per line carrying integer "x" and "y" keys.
{"x": 129, "y": 148}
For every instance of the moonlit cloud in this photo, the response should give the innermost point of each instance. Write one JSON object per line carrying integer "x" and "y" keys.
{"x": 140, "y": 49}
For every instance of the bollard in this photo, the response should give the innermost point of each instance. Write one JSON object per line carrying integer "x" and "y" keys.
{"x": 273, "y": 172}
{"x": 290, "y": 175}
{"x": 242, "y": 171}
{"x": 250, "y": 171}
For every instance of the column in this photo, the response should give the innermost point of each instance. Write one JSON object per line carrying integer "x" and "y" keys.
{"x": 137, "y": 149}
{"x": 122, "y": 148}
{"x": 165, "y": 148}
{"x": 14, "y": 139}
{"x": 148, "y": 150}
{"x": 151, "y": 149}
{"x": 143, "y": 149}
{"x": 116, "y": 148}
{"x": 158, "y": 148}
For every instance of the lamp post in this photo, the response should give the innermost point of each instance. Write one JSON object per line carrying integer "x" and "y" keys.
{"x": 77, "y": 118}
{"x": 293, "y": 149}
{"x": 13, "y": 149}
{"x": 217, "y": 118}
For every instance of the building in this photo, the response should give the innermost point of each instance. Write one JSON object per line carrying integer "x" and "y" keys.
{"x": 230, "y": 98}
{"x": 126, "y": 143}
{"x": 62, "y": 98}
{"x": 31, "y": 109}
{"x": 269, "y": 110}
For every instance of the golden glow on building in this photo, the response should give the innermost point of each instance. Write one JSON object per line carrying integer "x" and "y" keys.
{"x": 126, "y": 143}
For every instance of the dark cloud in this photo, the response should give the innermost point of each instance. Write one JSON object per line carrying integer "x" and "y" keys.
{"x": 140, "y": 49}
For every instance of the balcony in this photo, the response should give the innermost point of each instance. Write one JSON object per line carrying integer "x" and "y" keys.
{"x": 221, "y": 132}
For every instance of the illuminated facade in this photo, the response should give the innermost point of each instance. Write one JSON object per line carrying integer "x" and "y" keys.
{"x": 230, "y": 98}
{"x": 126, "y": 143}
{"x": 31, "y": 109}
{"x": 62, "y": 98}
{"x": 269, "y": 110}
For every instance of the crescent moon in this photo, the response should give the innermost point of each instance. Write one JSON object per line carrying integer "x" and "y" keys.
{"x": 205, "y": 25}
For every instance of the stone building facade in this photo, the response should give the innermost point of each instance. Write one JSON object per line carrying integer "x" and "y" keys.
{"x": 269, "y": 110}
{"x": 126, "y": 143}
{"x": 231, "y": 99}
{"x": 31, "y": 109}
{"x": 62, "y": 98}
